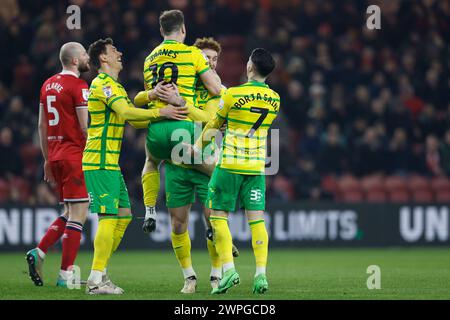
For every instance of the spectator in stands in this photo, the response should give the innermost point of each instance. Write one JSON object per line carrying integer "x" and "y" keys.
{"x": 386, "y": 91}
{"x": 310, "y": 143}
{"x": 332, "y": 154}
{"x": 10, "y": 161}
{"x": 369, "y": 154}
{"x": 444, "y": 154}
{"x": 19, "y": 120}
{"x": 432, "y": 157}
{"x": 307, "y": 181}
{"x": 399, "y": 154}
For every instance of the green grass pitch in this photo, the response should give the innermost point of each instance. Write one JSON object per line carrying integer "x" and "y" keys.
{"x": 420, "y": 273}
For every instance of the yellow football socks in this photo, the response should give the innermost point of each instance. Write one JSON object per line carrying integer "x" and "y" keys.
{"x": 122, "y": 224}
{"x": 260, "y": 244}
{"x": 104, "y": 241}
{"x": 150, "y": 187}
{"x": 119, "y": 231}
{"x": 223, "y": 241}
{"x": 181, "y": 244}
{"x": 215, "y": 259}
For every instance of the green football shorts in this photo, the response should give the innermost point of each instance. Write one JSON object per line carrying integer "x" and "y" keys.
{"x": 107, "y": 191}
{"x": 163, "y": 136}
{"x": 182, "y": 184}
{"x": 225, "y": 187}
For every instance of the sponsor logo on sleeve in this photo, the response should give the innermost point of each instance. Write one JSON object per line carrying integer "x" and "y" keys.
{"x": 85, "y": 93}
{"x": 107, "y": 90}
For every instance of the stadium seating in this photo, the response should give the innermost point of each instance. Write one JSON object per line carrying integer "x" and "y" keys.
{"x": 352, "y": 196}
{"x": 440, "y": 184}
{"x": 397, "y": 189}
{"x": 349, "y": 189}
{"x": 348, "y": 183}
{"x": 4, "y": 191}
{"x": 376, "y": 196}
{"x": 443, "y": 196}
{"x": 422, "y": 195}
{"x": 372, "y": 183}
{"x": 395, "y": 183}
{"x": 400, "y": 195}
{"x": 329, "y": 184}
{"x": 418, "y": 183}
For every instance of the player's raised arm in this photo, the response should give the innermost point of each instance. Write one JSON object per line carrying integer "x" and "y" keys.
{"x": 121, "y": 107}
{"x": 216, "y": 122}
{"x": 139, "y": 124}
{"x": 206, "y": 114}
{"x": 211, "y": 81}
{"x": 208, "y": 76}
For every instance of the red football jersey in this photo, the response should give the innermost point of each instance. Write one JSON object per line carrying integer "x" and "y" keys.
{"x": 60, "y": 96}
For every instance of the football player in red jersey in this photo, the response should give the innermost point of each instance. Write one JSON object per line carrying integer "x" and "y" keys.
{"x": 63, "y": 118}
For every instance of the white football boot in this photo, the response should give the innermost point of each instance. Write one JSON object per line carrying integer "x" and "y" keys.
{"x": 190, "y": 284}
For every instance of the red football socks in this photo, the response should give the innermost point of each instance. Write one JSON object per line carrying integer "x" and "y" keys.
{"x": 54, "y": 232}
{"x": 70, "y": 243}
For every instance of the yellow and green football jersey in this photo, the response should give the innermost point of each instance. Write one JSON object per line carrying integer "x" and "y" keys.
{"x": 106, "y": 128}
{"x": 202, "y": 95}
{"x": 175, "y": 62}
{"x": 249, "y": 110}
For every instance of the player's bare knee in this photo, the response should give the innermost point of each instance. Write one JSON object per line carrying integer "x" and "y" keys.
{"x": 179, "y": 219}
{"x": 151, "y": 163}
{"x": 179, "y": 227}
{"x": 124, "y": 212}
{"x": 254, "y": 214}
{"x": 78, "y": 211}
{"x": 217, "y": 213}
{"x": 65, "y": 214}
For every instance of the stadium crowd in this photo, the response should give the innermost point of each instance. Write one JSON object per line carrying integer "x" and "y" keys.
{"x": 354, "y": 101}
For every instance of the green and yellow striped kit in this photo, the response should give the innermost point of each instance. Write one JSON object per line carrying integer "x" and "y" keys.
{"x": 249, "y": 110}
{"x": 106, "y": 128}
{"x": 175, "y": 62}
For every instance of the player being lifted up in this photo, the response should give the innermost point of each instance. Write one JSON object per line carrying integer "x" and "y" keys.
{"x": 63, "y": 121}
{"x": 180, "y": 64}
{"x": 109, "y": 107}
{"x": 249, "y": 110}
{"x": 183, "y": 184}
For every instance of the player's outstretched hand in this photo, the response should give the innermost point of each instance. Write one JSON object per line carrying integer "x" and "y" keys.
{"x": 48, "y": 175}
{"x": 175, "y": 113}
{"x": 168, "y": 92}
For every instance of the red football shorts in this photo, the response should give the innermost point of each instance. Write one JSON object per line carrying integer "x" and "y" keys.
{"x": 69, "y": 180}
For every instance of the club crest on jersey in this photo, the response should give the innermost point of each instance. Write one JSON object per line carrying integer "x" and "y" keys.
{"x": 85, "y": 93}
{"x": 107, "y": 90}
{"x": 221, "y": 103}
{"x": 204, "y": 95}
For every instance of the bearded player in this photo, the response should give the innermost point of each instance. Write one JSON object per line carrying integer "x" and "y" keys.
{"x": 63, "y": 118}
